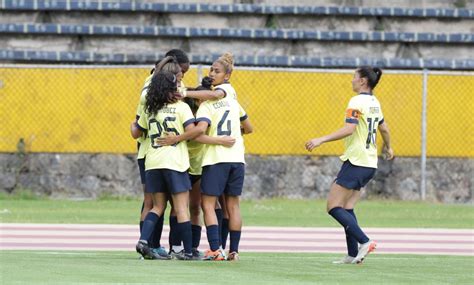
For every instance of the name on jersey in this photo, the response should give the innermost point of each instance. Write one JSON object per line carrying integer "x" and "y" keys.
{"x": 169, "y": 110}
{"x": 221, "y": 104}
{"x": 374, "y": 110}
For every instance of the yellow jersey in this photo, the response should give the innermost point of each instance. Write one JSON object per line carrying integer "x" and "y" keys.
{"x": 172, "y": 118}
{"x": 196, "y": 155}
{"x": 224, "y": 117}
{"x": 144, "y": 140}
{"x": 228, "y": 90}
{"x": 360, "y": 147}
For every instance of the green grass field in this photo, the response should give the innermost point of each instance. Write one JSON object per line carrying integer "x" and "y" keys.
{"x": 33, "y": 267}
{"x": 66, "y": 267}
{"x": 272, "y": 212}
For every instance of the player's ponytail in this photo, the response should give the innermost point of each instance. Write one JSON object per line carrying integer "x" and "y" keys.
{"x": 373, "y": 75}
{"x": 227, "y": 60}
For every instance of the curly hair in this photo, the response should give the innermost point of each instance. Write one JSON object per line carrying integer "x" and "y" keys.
{"x": 161, "y": 91}
{"x": 206, "y": 84}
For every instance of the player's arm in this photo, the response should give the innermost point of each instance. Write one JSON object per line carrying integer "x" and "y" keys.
{"x": 352, "y": 120}
{"x": 246, "y": 127}
{"x": 226, "y": 141}
{"x": 343, "y": 132}
{"x": 204, "y": 94}
{"x": 387, "y": 150}
{"x": 191, "y": 131}
{"x": 135, "y": 130}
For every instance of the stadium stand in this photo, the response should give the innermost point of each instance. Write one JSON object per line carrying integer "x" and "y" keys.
{"x": 43, "y": 22}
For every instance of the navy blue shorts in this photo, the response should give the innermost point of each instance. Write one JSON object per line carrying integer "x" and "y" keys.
{"x": 222, "y": 178}
{"x": 354, "y": 177}
{"x": 167, "y": 181}
{"x": 194, "y": 178}
{"x": 141, "y": 167}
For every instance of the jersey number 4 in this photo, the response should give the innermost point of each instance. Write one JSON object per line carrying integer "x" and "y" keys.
{"x": 160, "y": 129}
{"x": 220, "y": 131}
{"x": 372, "y": 126}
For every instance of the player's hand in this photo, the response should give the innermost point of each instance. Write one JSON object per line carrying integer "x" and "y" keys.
{"x": 168, "y": 139}
{"x": 227, "y": 141}
{"x": 387, "y": 153}
{"x": 178, "y": 95}
{"x": 314, "y": 143}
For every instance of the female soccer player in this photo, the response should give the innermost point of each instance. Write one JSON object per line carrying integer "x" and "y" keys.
{"x": 166, "y": 166}
{"x": 223, "y": 168}
{"x": 169, "y": 63}
{"x": 196, "y": 154}
{"x": 363, "y": 118}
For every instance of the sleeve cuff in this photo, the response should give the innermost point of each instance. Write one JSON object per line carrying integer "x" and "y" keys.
{"x": 202, "y": 119}
{"x": 140, "y": 127}
{"x": 188, "y": 122}
{"x": 244, "y": 117}
{"x": 225, "y": 93}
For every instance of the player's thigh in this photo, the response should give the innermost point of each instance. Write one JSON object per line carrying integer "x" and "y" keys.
{"x": 338, "y": 196}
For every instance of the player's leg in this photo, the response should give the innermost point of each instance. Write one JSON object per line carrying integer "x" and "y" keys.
{"x": 195, "y": 211}
{"x": 224, "y": 221}
{"x": 178, "y": 185}
{"x": 233, "y": 191}
{"x": 159, "y": 204}
{"x": 213, "y": 183}
{"x": 183, "y": 225}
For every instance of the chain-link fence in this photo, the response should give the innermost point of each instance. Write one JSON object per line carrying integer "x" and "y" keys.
{"x": 58, "y": 109}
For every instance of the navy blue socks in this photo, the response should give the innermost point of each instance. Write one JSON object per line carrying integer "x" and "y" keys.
{"x": 349, "y": 223}
{"x": 183, "y": 232}
{"x": 234, "y": 241}
{"x": 213, "y": 237}
{"x": 219, "y": 216}
{"x": 196, "y": 233}
{"x": 148, "y": 226}
{"x": 156, "y": 236}
{"x": 224, "y": 232}
{"x": 352, "y": 245}
{"x": 173, "y": 238}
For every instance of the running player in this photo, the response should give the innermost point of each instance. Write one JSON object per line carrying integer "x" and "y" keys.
{"x": 166, "y": 166}
{"x": 363, "y": 118}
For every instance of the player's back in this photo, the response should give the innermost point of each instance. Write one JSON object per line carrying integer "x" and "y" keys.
{"x": 223, "y": 116}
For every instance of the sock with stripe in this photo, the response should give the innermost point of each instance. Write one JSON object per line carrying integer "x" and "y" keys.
{"x": 349, "y": 223}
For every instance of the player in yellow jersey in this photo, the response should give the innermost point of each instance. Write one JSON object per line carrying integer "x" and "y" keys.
{"x": 363, "y": 117}
{"x": 196, "y": 155}
{"x": 223, "y": 168}
{"x": 166, "y": 166}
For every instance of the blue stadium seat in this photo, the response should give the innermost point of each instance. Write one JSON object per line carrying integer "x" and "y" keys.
{"x": 131, "y": 6}
{"x": 283, "y": 61}
{"x": 274, "y": 34}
